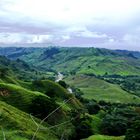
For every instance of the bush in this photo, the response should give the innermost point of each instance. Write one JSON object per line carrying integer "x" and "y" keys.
{"x": 93, "y": 107}
{"x": 114, "y": 125}
{"x": 63, "y": 84}
{"x": 42, "y": 106}
{"x": 133, "y": 133}
{"x": 83, "y": 128}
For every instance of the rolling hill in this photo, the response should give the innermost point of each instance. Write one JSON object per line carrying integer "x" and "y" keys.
{"x": 98, "y": 89}
{"x": 78, "y": 60}
{"x": 18, "y": 125}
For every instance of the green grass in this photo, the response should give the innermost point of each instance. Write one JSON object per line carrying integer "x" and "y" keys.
{"x": 103, "y": 137}
{"x": 87, "y": 61}
{"x": 46, "y": 86}
{"x": 19, "y": 96}
{"x": 18, "y": 125}
{"x": 82, "y": 60}
{"x": 57, "y": 92}
{"x": 97, "y": 89}
{"x": 96, "y": 123}
{"x": 19, "y": 99}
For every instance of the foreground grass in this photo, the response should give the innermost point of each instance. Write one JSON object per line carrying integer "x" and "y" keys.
{"x": 18, "y": 125}
{"x": 18, "y": 96}
{"x": 103, "y": 137}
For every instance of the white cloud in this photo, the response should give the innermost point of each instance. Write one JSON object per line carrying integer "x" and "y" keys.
{"x": 111, "y": 40}
{"x": 84, "y": 32}
{"x": 8, "y": 38}
{"x": 66, "y": 37}
{"x": 64, "y": 20}
{"x": 131, "y": 38}
{"x": 71, "y": 12}
{"x": 40, "y": 38}
{"x": 90, "y": 34}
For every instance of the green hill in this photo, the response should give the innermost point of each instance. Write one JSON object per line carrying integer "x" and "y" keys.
{"x": 18, "y": 125}
{"x": 17, "y": 96}
{"x": 97, "y": 89}
{"x": 15, "y": 99}
{"x": 78, "y": 60}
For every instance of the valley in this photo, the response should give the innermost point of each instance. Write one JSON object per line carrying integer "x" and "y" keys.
{"x": 69, "y": 93}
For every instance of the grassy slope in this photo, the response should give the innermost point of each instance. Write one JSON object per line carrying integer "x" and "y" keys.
{"x": 18, "y": 96}
{"x": 94, "y": 88}
{"x": 18, "y": 125}
{"x": 87, "y": 61}
{"x": 60, "y": 93}
{"x": 99, "y": 65}
{"x": 81, "y": 60}
{"x": 103, "y": 137}
{"x": 21, "y": 98}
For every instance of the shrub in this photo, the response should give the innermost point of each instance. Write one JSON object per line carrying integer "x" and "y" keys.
{"x": 133, "y": 133}
{"x": 42, "y": 106}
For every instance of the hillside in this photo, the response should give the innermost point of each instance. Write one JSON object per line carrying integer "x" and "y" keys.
{"x": 18, "y": 125}
{"x": 78, "y": 60}
{"x": 97, "y": 89}
{"x": 34, "y": 106}
{"x": 101, "y": 137}
{"x": 15, "y": 68}
{"x": 19, "y": 99}
{"x": 90, "y": 61}
{"x": 15, "y": 100}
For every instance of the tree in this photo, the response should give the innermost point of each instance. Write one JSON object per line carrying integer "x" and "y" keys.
{"x": 133, "y": 133}
{"x": 114, "y": 125}
{"x": 42, "y": 106}
{"x": 3, "y": 72}
{"x": 63, "y": 84}
{"x": 83, "y": 128}
{"x": 93, "y": 107}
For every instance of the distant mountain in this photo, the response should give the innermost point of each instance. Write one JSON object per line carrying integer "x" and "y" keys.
{"x": 78, "y": 60}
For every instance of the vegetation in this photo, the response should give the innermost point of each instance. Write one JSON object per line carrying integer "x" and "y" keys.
{"x": 104, "y": 103}
{"x": 78, "y": 60}
{"x": 94, "y": 88}
{"x": 103, "y": 137}
{"x": 133, "y": 131}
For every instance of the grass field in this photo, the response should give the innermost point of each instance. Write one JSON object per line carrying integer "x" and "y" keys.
{"x": 97, "y": 89}
{"x": 18, "y": 96}
{"x": 103, "y": 137}
{"x": 18, "y": 125}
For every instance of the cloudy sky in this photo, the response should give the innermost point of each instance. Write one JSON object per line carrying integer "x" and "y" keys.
{"x": 111, "y": 24}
